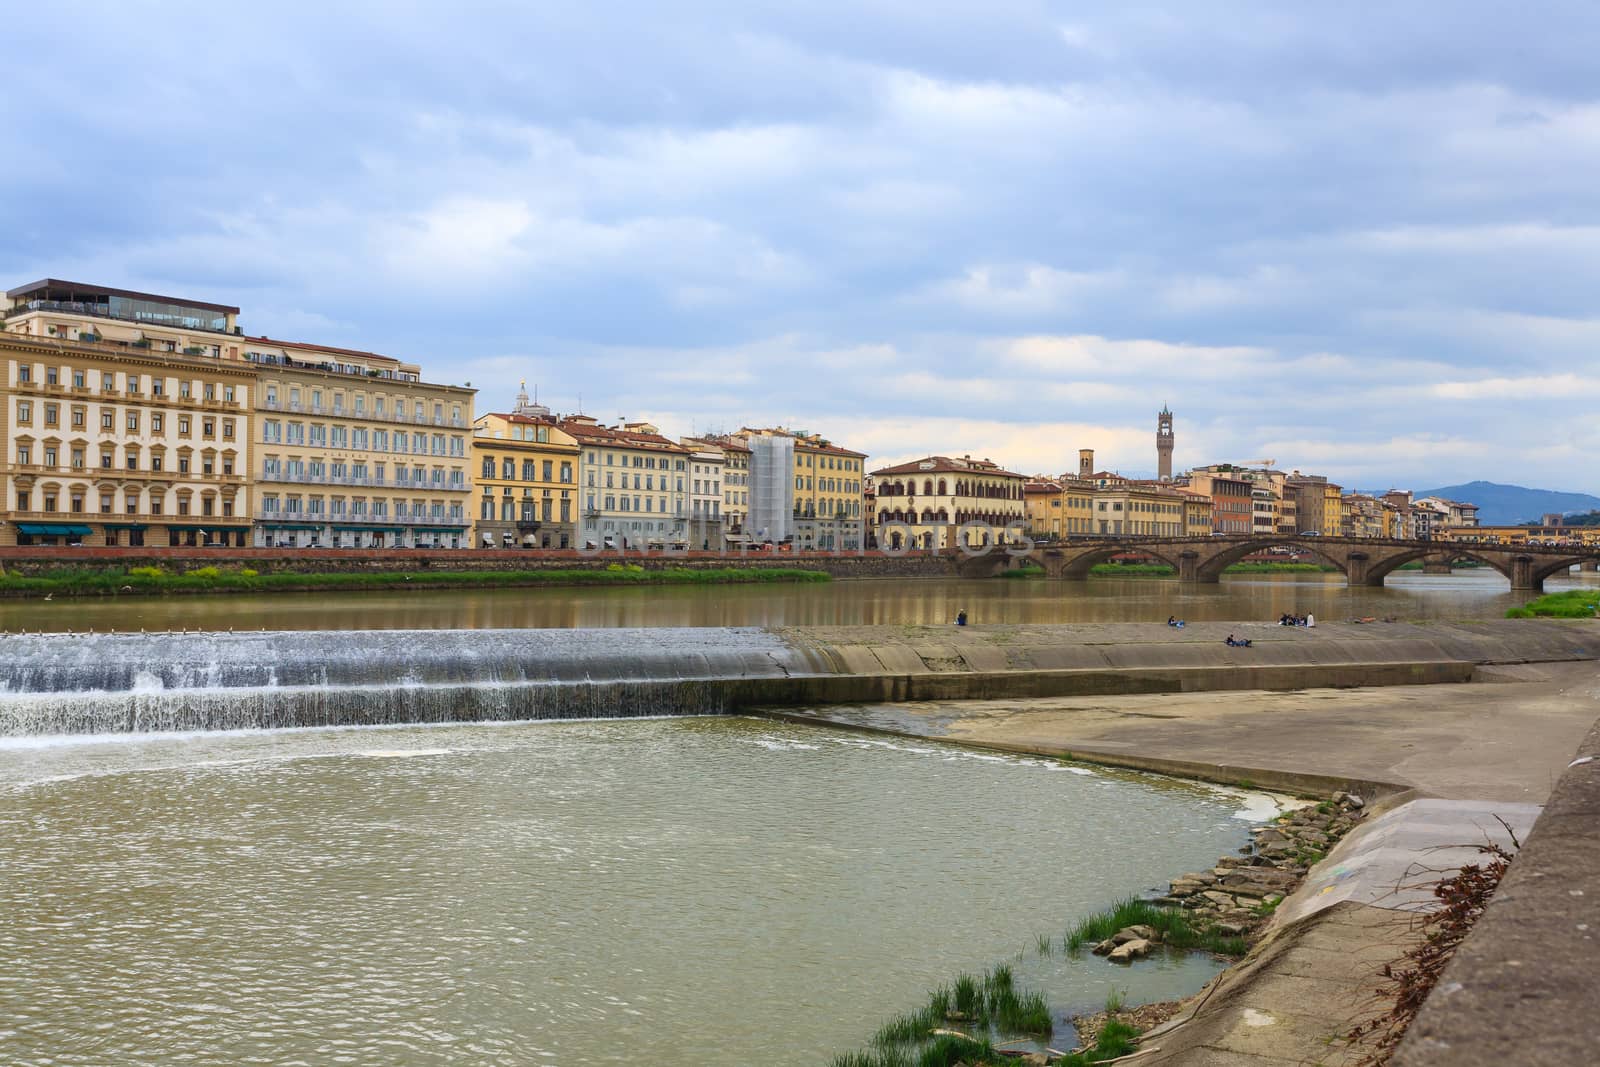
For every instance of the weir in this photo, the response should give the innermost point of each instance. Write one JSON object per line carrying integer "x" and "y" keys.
{"x": 114, "y": 683}
{"x": 118, "y": 683}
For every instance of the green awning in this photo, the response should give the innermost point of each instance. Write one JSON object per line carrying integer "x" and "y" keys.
{"x": 124, "y": 525}
{"x": 368, "y": 529}
{"x": 289, "y": 525}
{"x": 441, "y": 529}
{"x": 54, "y": 529}
{"x": 221, "y": 527}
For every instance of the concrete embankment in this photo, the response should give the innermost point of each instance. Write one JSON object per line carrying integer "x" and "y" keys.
{"x": 1447, "y": 763}
{"x": 910, "y": 663}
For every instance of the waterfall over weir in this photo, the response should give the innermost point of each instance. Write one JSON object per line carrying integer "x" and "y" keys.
{"x": 116, "y": 683}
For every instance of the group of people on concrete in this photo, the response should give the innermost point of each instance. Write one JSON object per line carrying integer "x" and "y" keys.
{"x": 1289, "y": 618}
{"x": 1235, "y": 642}
{"x": 1173, "y": 620}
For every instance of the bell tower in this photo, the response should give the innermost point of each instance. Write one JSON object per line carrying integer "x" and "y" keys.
{"x": 1086, "y": 463}
{"x": 1164, "y": 443}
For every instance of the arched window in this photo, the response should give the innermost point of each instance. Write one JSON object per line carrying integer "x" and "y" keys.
{"x": 942, "y": 487}
{"x": 927, "y": 487}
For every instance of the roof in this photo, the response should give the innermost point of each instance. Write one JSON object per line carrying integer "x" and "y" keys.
{"x": 804, "y": 441}
{"x": 1042, "y": 487}
{"x": 946, "y": 465}
{"x": 309, "y": 347}
{"x": 132, "y": 294}
{"x": 593, "y": 433}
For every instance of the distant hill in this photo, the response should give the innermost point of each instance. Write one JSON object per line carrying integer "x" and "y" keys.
{"x": 1503, "y": 505}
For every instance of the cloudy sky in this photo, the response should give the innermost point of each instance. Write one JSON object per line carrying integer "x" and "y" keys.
{"x": 1362, "y": 242}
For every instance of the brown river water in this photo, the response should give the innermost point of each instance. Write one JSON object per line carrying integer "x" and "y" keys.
{"x": 717, "y": 892}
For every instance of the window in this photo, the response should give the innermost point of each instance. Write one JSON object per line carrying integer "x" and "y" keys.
{"x": 24, "y": 374}
{"x": 78, "y": 381}
{"x": 52, "y": 376}
{"x": 52, "y": 414}
{"x": 157, "y": 421}
{"x": 50, "y": 455}
{"x": 24, "y": 411}
{"x": 133, "y": 422}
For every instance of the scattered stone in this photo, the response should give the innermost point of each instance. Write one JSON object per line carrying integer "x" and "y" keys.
{"x": 1130, "y": 951}
{"x": 1126, "y": 934}
{"x": 1104, "y": 948}
{"x": 1149, "y": 933}
{"x": 1224, "y": 862}
{"x": 1230, "y": 929}
{"x": 1353, "y": 801}
{"x": 1221, "y": 900}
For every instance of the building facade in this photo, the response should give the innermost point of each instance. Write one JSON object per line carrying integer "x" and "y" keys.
{"x": 1139, "y": 509}
{"x": 707, "y": 471}
{"x": 526, "y": 479}
{"x": 934, "y": 498}
{"x": 825, "y": 497}
{"x": 633, "y": 483}
{"x": 356, "y": 451}
{"x": 1230, "y": 491}
{"x": 126, "y": 419}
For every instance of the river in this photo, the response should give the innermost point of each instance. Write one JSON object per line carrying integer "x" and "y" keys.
{"x": 1409, "y": 595}
{"x": 716, "y": 892}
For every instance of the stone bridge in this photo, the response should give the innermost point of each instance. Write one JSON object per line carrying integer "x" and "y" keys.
{"x": 1364, "y": 561}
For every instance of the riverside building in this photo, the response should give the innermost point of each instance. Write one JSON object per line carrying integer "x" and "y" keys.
{"x": 126, "y": 419}
{"x": 633, "y": 485}
{"x": 527, "y": 478}
{"x": 357, "y": 451}
{"x": 937, "y": 495}
{"x": 823, "y": 505}
{"x": 137, "y": 419}
{"x": 708, "y": 461}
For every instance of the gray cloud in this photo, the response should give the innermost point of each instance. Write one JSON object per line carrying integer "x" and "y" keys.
{"x": 1363, "y": 242}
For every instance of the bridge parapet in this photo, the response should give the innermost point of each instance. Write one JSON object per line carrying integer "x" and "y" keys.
{"x": 1363, "y": 561}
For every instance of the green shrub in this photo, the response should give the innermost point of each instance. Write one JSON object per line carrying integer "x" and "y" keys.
{"x": 207, "y": 573}
{"x": 246, "y": 572}
{"x": 146, "y": 572}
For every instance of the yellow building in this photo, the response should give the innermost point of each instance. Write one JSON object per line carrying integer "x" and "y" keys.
{"x": 1196, "y": 514}
{"x": 126, "y": 419}
{"x": 1064, "y": 506}
{"x": 527, "y": 480}
{"x": 1140, "y": 509}
{"x": 826, "y": 501}
{"x": 935, "y": 497}
{"x": 355, "y": 450}
{"x": 1042, "y": 499}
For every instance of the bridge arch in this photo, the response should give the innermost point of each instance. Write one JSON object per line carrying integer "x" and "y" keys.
{"x": 1079, "y": 564}
{"x": 1380, "y": 569}
{"x": 1209, "y": 567}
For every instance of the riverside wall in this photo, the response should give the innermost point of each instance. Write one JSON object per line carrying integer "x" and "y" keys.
{"x": 37, "y": 561}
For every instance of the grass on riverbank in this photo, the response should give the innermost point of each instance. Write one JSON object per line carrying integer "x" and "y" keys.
{"x": 91, "y": 581}
{"x": 1572, "y": 604}
{"x": 1161, "y": 570}
{"x": 957, "y": 1025}
{"x": 1171, "y": 923}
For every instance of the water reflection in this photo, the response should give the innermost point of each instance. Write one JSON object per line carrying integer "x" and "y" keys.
{"x": 1409, "y": 595}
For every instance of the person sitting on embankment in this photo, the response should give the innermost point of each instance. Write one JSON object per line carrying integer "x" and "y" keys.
{"x": 1234, "y": 642}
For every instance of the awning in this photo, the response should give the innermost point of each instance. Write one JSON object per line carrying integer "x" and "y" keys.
{"x": 124, "y": 525}
{"x": 270, "y": 524}
{"x": 369, "y": 529}
{"x": 442, "y": 529}
{"x": 220, "y": 527}
{"x": 54, "y": 529}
